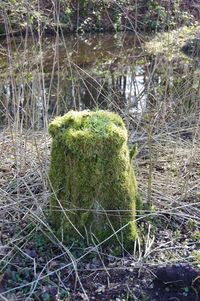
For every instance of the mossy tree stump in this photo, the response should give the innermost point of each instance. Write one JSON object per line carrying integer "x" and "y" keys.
{"x": 93, "y": 183}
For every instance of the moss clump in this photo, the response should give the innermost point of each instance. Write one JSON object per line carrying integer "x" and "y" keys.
{"x": 170, "y": 43}
{"x": 92, "y": 178}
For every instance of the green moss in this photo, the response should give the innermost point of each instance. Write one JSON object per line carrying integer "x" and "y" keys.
{"x": 92, "y": 178}
{"x": 170, "y": 43}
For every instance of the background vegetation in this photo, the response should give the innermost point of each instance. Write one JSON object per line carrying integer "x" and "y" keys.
{"x": 85, "y": 15}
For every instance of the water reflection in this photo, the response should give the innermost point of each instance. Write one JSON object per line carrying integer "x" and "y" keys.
{"x": 74, "y": 72}
{"x": 49, "y": 78}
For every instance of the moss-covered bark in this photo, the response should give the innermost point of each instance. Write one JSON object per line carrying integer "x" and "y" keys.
{"x": 94, "y": 187}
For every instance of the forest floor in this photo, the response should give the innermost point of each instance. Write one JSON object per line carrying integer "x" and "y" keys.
{"x": 35, "y": 265}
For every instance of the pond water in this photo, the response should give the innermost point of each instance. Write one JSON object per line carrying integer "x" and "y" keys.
{"x": 44, "y": 77}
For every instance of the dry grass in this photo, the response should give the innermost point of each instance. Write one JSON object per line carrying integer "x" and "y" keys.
{"x": 168, "y": 176}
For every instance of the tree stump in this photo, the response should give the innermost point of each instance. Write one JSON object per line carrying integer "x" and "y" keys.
{"x": 94, "y": 190}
